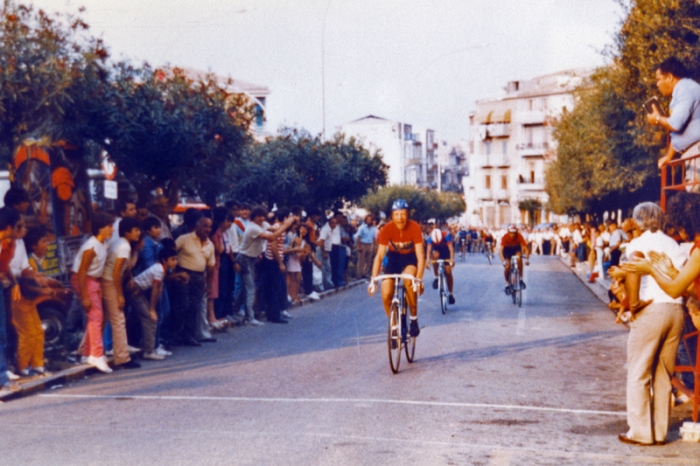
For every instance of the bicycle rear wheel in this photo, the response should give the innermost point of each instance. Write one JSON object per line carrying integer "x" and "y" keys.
{"x": 488, "y": 255}
{"x": 520, "y": 296}
{"x": 395, "y": 338}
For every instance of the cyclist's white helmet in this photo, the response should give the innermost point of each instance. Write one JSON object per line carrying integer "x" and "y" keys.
{"x": 512, "y": 229}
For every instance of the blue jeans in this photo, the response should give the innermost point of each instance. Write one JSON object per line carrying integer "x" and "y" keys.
{"x": 248, "y": 278}
{"x": 163, "y": 309}
{"x": 3, "y": 341}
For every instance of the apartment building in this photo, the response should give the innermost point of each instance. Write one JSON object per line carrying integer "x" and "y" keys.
{"x": 414, "y": 155}
{"x": 510, "y": 145}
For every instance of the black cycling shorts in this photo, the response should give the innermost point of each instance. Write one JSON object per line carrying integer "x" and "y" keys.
{"x": 444, "y": 253}
{"x": 398, "y": 262}
{"x": 510, "y": 251}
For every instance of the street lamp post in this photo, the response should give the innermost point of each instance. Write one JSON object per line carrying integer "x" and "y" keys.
{"x": 323, "y": 70}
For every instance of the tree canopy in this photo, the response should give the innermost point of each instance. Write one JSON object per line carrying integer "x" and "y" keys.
{"x": 606, "y": 156}
{"x": 423, "y": 205}
{"x": 162, "y": 127}
{"x": 295, "y": 168}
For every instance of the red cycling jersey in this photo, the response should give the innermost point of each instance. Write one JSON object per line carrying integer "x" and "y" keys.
{"x": 508, "y": 241}
{"x": 401, "y": 241}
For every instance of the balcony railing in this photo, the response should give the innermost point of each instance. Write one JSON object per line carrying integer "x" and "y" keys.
{"x": 530, "y": 149}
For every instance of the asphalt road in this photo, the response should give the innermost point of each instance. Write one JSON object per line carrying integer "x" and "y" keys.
{"x": 491, "y": 385}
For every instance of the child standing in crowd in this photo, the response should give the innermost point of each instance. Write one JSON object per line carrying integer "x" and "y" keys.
{"x": 116, "y": 264}
{"x": 294, "y": 248}
{"x": 150, "y": 284}
{"x": 88, "y": 268}
{"x": 25, "y": 316}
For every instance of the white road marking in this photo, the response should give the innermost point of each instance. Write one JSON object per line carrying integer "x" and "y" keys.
{"x": 520, "y": 329}
{"x": 338, "y": 400}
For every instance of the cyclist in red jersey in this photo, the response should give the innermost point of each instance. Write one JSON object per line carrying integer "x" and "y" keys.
{"x": 512, "y": 244}
{"x": 402, "y": 241}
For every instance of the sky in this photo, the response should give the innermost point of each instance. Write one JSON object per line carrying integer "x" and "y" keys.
{"x": 421, "y": 62}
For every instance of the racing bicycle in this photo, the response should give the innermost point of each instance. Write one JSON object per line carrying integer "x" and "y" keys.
{"x": 398, "y": 337}
{"x": 442, "y": 283}
{"x": 515, "y": 283}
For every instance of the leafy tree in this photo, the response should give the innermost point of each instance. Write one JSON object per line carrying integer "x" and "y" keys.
{"x": 166, "y": 130}
{"x": 296, "y": 168}
{"x": 41, "y": 57}
{"x": 423, "y": 205}
{"x": 606, "y": 157}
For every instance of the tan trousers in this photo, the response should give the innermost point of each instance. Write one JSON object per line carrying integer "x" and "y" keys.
{"x": 651, "y": 356}
{"x": 30, "y": 334}
{"x": 116, "y": 317}
{"x": 364, "y": 260}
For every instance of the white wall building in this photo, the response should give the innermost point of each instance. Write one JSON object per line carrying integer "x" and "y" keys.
{"x": 510, "y": 145}
{"x": 414, "y": 154}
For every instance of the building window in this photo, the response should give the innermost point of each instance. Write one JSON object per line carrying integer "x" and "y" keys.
{"x": 505, "y": 147}
{"x": 487, "y": 147}
{"x": 532, "y": 176}
{"x": 487, "y": 181}
{"x": 504, "y": 182}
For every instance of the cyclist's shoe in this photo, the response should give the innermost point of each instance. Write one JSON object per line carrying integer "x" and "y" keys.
{"x": 451, "y": 299}
{"x": 522, "y": 285}
{"x": 508, "y": 290}
{"x": 435, "y": 284}
{"x": 415, "y": 330}
{"x": 394, "y": 338}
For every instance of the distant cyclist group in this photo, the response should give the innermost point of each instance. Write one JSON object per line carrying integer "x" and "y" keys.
{"x": 402, "y": 259}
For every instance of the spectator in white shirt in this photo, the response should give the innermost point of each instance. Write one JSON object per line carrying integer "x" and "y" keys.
{"x": 116, "y": 264}
{"x": 327, "y": 238}
{"x": 654, "y": 336}
{"x": 150, "y": 285}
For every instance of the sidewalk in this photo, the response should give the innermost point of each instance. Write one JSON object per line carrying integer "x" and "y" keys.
{"x": 32, "y": 385}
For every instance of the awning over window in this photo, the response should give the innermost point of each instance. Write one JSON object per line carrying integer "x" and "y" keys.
{"x": 489, "y": 115}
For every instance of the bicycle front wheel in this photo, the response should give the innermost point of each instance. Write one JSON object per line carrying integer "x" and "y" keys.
{"x": 443, "y": 295}
{"x": 514, "y": 285}
{"x": 394, "y": 339}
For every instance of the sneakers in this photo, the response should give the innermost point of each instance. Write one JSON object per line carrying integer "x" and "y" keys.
{"x": 162, "y": 351}
{"x": 99, "y": 363}
{"x": 451, "y": 299}
{"x": 153, "y": 356}
{"x": 435, "y": 284}
{"x": 522, "y": 285}
{"x": 508, "y": 290}
{"x": 254, "y": 322}
{"x": 315, "y": 296}
{"x": 414, "y": 330}
{"x": 286, "y": 315}
{"x": 240, "y": 313}
{"x": 11, "y": 375}
{"x": 131, "y": 349}
{"x": 109, "y": 352}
